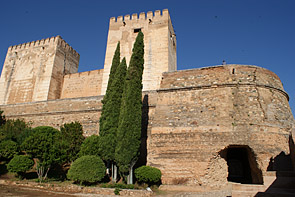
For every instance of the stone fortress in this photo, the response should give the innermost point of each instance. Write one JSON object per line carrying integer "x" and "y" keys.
{"x": 203, "y": 126}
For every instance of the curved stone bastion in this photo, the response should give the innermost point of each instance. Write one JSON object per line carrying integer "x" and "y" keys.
{"x": 222, "y": 123}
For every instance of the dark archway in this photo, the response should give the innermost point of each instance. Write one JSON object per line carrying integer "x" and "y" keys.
{"x": 242, "y": 165}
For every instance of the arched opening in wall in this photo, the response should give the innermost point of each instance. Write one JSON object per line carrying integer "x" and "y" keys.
{"x": 242, "y": 165}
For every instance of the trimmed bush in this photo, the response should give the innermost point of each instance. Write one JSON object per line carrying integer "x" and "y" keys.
{"x": 8, "y": 149}
{"x": 148, "y": 174}
{"x": 20, "y": 164}
{"x": 87, "y": 169}
{"x": 90, "y": 146}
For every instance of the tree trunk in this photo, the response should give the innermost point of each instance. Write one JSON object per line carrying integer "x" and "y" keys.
{"x": 130, "y": 176}
{"x": 115, "y": 173}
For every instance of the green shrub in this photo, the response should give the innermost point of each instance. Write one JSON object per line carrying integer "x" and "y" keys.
{"x": 72, "y": 135}
{"x": 16, "y": 130}
{"x": 117, "y": 191}
{"x": 90, "y": 146}
{"x": 87, "y": 169}
{"x": 8, "y": 149}
{"x": 148, "y": 174}
{"x": 20, "y": 164}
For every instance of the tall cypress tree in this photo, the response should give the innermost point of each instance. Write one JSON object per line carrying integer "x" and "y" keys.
{"x": 105, "y": 122}
{"x": 129, "y": 129}
{"x": 112, "y": 108}
{"x": 105, "y": 111}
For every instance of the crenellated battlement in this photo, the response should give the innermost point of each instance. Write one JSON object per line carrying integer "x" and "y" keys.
{"x": 142, "y": 16}
{"x": 55, "y": 40}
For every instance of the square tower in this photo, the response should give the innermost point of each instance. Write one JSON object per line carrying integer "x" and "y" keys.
{"x": 34, "y": 71}
{"x": 159, "y": 45}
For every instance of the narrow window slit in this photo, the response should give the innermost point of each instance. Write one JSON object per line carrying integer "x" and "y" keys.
{"x": 137, "y": 30}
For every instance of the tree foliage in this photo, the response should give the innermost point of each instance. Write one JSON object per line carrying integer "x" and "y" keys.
{"x": 8, "y": 149}
{"x": 2, "y": 118}
{"x": 109, "y": 124}
{"x": 72, "y": 136}
{"x": 87, "y": 169}
{"x": 129, "y": 129}
{"x": 148, "y": 174}
{"x": 20, "y": 164}
{"x": 45, "y": 144}
{"x": 16, "y": 130}
{"x": 115, "y": 64}
{"x": 90, "y": 146}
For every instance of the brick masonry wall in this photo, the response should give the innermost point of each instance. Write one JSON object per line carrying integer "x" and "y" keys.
{"x": 82, "y": 84}
{"x": 193, "y": 117}
{"x": 55, "y": 113}
{"x": 201, "y": 112}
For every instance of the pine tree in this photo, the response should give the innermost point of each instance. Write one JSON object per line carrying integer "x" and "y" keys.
{"x": 129, "y": 129}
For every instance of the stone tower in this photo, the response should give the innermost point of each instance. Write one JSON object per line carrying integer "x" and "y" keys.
{"x": 34, "y": 71}
{"x": 159, "y": 41}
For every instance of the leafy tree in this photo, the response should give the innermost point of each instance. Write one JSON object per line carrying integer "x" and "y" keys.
{"x": 8, "y": 149}
{"x": 20, "y": 164}
{"x": 109, "y": 122}
{"x": 72, "y": 135}
{"x": 87, "y": 169}
{"x": 16, "y": 130}
{"x": 45, "y": 144}
{"x": 90, "y": 146}
{"x": 148, "y": 174}
{"x": 2, "y": 118}
{"x": 129, "y": 129}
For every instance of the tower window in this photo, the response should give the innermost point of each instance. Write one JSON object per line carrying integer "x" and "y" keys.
{"x": 137, "y": 30}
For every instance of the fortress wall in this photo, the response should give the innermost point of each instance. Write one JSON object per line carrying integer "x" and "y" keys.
{"x": 197, "y": 117}
{"x": 55, "y": 113}
{"x": 216, "y": 75}
{"x": 34, "y": 71}
{"x": 82, "y": 84}
{"x": 159, "y": 55}
{"x": 86, "y": 110}
{"x": 22, "y": 67}
{"x": 66, "y": 61}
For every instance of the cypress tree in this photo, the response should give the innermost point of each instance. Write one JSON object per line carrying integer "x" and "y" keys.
{"x": 129, "y": 129}
{"x": 108, "y": 137}
{"x": 105, "y": 112}
{"x": 111, "y": 109}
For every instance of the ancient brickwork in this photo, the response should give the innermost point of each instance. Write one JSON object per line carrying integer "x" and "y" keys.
{"x": 82, "y": 84}
{"x": 200, "y": 112}
{"x": 55, "y": 113}
{"x": 194, "y": 122}
{"x": 159, "y": 41}
{"x": 34, "y": 71}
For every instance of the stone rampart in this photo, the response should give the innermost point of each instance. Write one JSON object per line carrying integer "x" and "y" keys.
{"x": 159, "y": 45}
{"x": 202, "y": 112}
{"x": 82, "y": 84}
{"x": 34, "y": 71}
{"x": 85, "y": 110}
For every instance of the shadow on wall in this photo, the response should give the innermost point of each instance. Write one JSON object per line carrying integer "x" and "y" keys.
{"x": 281, "y": 162}
{"x": 144, "y": 127}
{"x": 242, "y": 164}
{"x": 283, "y": 167}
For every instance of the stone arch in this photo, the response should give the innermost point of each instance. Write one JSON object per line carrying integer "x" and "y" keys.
{"x": 242, "y": 164}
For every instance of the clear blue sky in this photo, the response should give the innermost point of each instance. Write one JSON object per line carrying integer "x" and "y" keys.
{"x": 254, "y": 32}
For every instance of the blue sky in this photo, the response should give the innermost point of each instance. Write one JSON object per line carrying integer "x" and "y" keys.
{"x": 254, "y": 32}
